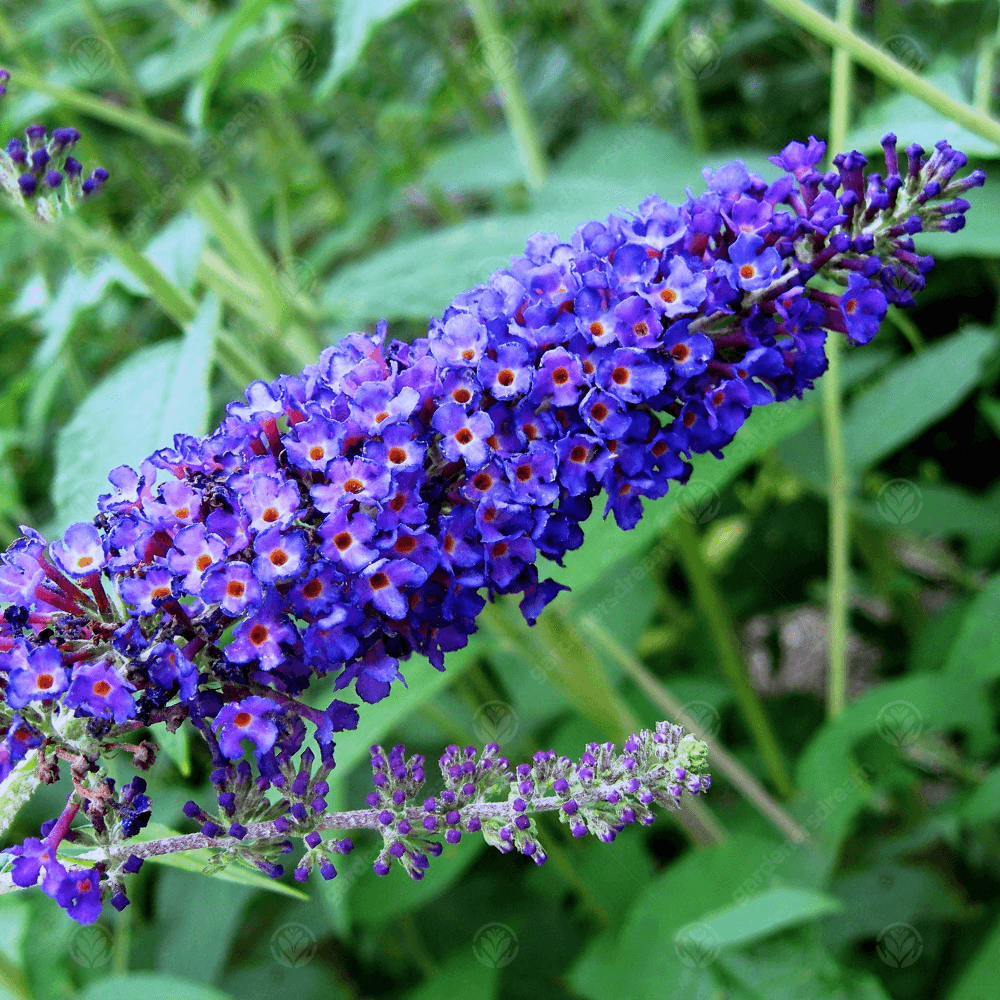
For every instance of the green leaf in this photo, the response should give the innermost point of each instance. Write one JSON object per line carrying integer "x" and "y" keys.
{"x": 16, "y": 789}
{"x": 913, "y": 121}
{"x": 983, "y": 805}
{"x": 356, "y": 22}
{"x": 657, "y": 17}
{"x": 662, "y": 941}
{"x": 608, "y": 168}
{"x": 766, "y": 913}
{"x": 976, "y": 652}
{"x": 915, "y": 394}
{"x": 156, "y": 393}
{"x": 479, "y": 163}
{"x": 990, "y": 409}
{"x": 978, "y": 980}
{"x": 792, "y": 967}
{"x": 195, "y": 861}
{"x": 148, "y": 986}
{"x": 461, "y": 974}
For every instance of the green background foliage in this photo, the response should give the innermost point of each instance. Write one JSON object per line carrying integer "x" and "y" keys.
{"x": 284, "y": 172}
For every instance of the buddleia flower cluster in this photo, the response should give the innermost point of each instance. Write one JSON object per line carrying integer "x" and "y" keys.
{"x": 39, "y": 171}
{"x": 340, "y": 520}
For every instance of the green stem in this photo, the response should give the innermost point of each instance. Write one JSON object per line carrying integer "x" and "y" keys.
{"x": 887, "y": 68}
{"x": 122, "y": 70}
{"x": 839, "y": 485}
{"x": 654, "y": 689}
{"x": 982, "y": 90}
{"x": 712, "y": 608}
{"x": 498, "y": 54}
{"x": 906, "y": 327}
{"x": 687, "y": 90}
{"x": 833, "y": 422}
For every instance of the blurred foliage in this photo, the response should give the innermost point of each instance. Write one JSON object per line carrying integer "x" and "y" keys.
{"x": 282, "y": 172}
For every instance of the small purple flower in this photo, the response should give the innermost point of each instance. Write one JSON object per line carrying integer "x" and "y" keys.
{"x": 42, "y": 676}
{"x": 233, "y": 587}
{"x": 637, "y": 324}
{"x": 690, "y": 352}
{"x": 193, "y": 553}
{"x": 464, "y": 434}
{"x": 681, "y": 291}
{"x": 98, "y": 690}
{"x": 246, "y": 719}
{"x": 605, "y": 414}
{"x": 344, "y": 539}
{"x": 631, "y": 375}
{"x": 80, "y": 551}
{"x": 751, "y": 268}
{"x": 863, "y": 307}
{"x": 280, "y": 555}
{"x": 383, "y": 583}
{"x": 350, "y": 481}
{"x": 79, "y": 894}
{"x": 316, "y": 444}
{"x": 461, "y": 342}
{"x": 509, "y": 376}
{"x": 147, "y": 593}
{"x": 260, "y": 636}
{"x": 270, "y": 503}
{"x": 559, "y": 377}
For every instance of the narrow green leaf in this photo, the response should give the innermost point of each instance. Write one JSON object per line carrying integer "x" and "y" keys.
{"x": 914, "y": 395}
{"x": 16, "y": 789}
{"x": 136, "y": 122}
{"x": 978, "y": 980}
{"x": 157, "y": 392}
{"x": 149, "y": 986}
{"x": 766, "y": 913}
{"x": 976, "y": 652}
{"x": 657, "y": 17}
{"x": 356, "y": 22}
